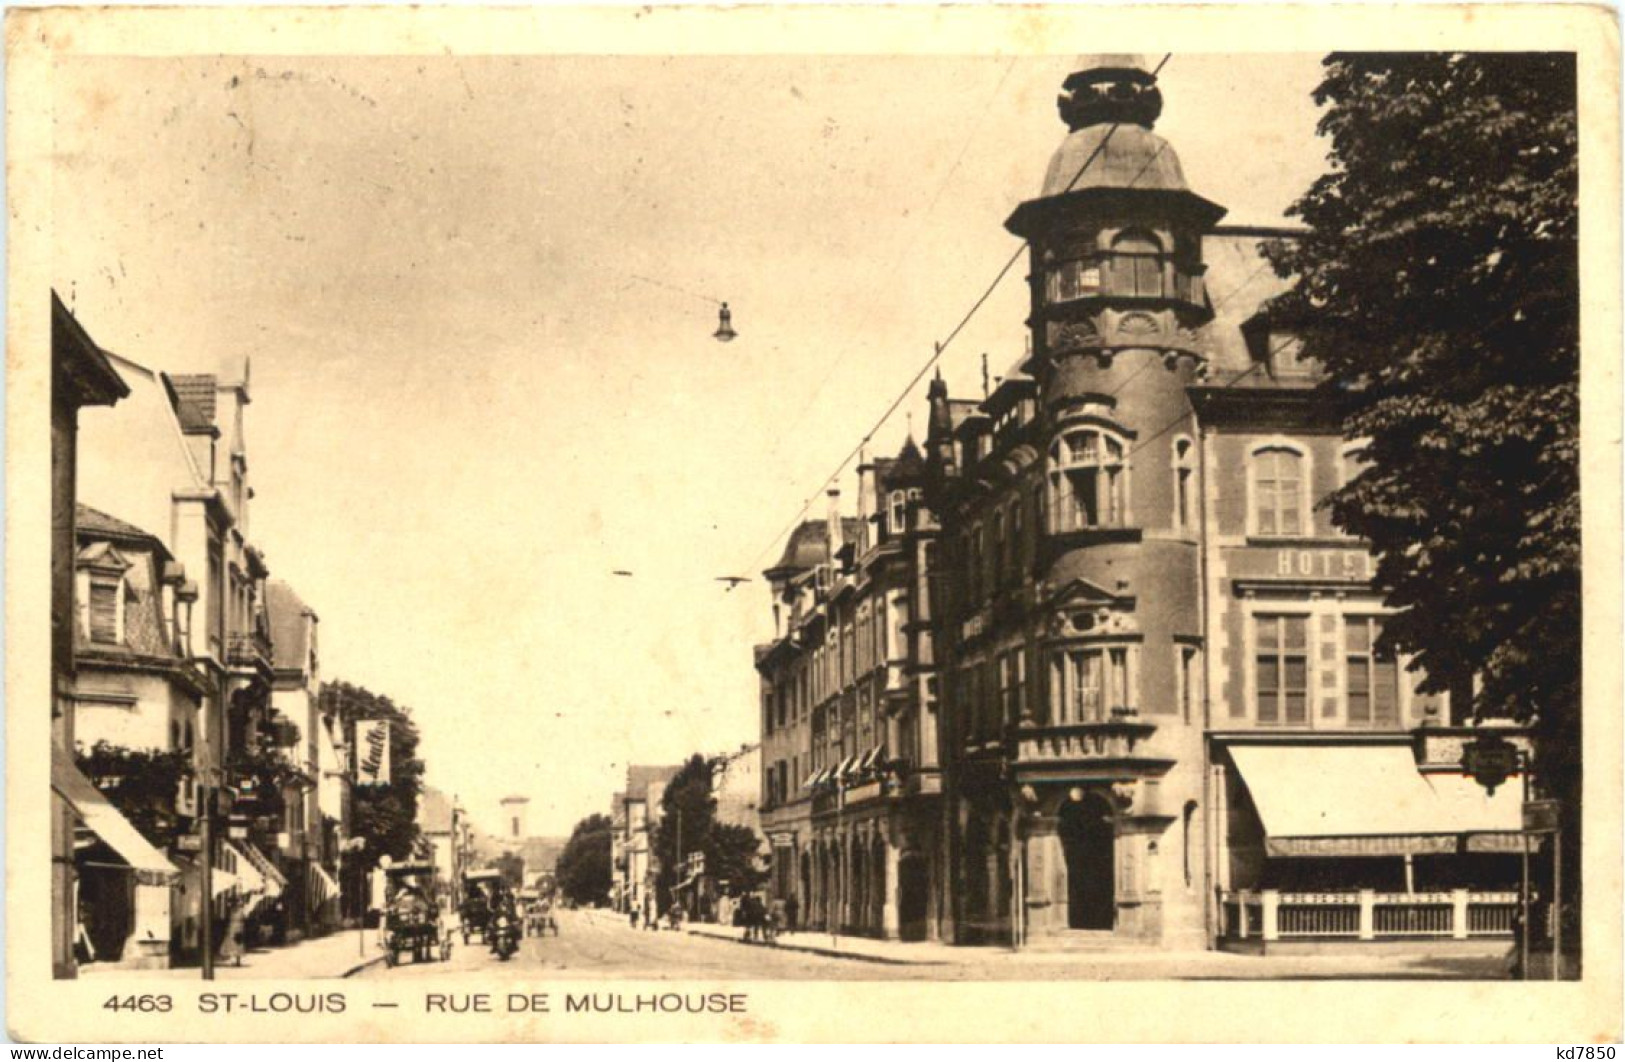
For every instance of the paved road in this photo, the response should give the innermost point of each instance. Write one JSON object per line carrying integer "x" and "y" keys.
{"x": 596, "y": 944}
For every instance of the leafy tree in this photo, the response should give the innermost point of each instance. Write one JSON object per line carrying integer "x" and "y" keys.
{"x": 733, "y": 854}
{"x": 385, "y": 815}
{"x": 687, "y": 811}
{"x": 1439, "y": 282}
{"x": 583, "y": 868}
{"x": 512, "y": 867}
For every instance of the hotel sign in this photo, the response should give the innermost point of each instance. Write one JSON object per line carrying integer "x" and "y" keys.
{"x": 1287, "y": 563}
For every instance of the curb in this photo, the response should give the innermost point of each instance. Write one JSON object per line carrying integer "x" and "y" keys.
{"x": 358, "y": 967}
{"x": 813, "y": 949}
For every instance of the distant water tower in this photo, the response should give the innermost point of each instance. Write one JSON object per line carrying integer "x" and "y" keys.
{"x": 513, "y": 810}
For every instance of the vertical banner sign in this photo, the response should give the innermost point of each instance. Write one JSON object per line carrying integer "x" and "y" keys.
{"x": 372, "y": 752}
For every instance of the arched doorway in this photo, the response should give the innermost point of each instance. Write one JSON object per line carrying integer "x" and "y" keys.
{"x": 1088, "y": 840}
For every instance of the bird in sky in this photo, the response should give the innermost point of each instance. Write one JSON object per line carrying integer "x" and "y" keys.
{"x": 732, "y": 580}
{"x": 621, "y": 571}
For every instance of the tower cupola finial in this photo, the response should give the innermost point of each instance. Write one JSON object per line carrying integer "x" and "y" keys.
{"x": 1110, "y": 88}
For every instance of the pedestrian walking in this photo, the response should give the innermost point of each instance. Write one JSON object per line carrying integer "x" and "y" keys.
{"x": 632, "y": 913}
{"x": 791, "y": 910}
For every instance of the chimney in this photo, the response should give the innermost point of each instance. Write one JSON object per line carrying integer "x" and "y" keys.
{"x": 834, "y": 525}
{"x": 866, "y": 501}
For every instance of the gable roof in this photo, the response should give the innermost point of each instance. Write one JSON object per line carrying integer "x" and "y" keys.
{"x": 194, "y": 399}
{"x": 640, "y": 778}
{"x": 434, "y": 811}
{"x": 290, "y": 633}
{"x": 94, "y": 523}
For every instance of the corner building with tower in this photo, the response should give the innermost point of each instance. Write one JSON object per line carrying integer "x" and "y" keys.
{"x": 1147, "y": 659}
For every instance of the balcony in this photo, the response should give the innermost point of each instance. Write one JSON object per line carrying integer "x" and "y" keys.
{"x": 250, "y": 649}
{"x": 1116, "y": 741}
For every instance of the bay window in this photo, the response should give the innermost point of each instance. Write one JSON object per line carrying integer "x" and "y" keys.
{"x": 1087, "y": 683}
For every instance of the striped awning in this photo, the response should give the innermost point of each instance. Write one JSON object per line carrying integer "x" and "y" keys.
{"x": 846, "y": 766}
{"x": 872, "y": 757}
{"x": 100, "y": 817}
{"x": 322, "y": 886}
{"x": 275, "y": 881}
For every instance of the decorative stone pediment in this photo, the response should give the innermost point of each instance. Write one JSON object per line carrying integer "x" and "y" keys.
{"x": 1082, "y": 608}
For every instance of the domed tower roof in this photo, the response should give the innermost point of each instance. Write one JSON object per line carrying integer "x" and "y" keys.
{"x": 1110, "y": 104}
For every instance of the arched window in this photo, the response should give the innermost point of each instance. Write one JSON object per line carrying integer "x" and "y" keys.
{"x": 1136, "y": 264}
{"x": 1278, "y": 475}
{"x": 1088, "y": 480}
{"x": 1184, "y": 464}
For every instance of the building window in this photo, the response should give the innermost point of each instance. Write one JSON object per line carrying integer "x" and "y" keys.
{"x": 1190, "y": 814}
{"x": 898, "y": 514}
{"x": 1136, "y": 265}
{"x": 1189, "y": 677}
{"x": 1282, "y": 669}
{"x": 1373, "y": 676}
{"x": 104, "y": 611}
{"x": 1074, "y": 279}
{"x": 1088, "y": 480}
{"x": 998, "y": 550}
{"x": 1279, "y": 487}
{"x": 1184, "y": 464}
{"x": 1086, "y": 684}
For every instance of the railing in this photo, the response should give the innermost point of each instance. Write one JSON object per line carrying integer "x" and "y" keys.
{"x": 250, "y": 648}
{"x": 1365, "y": 915}
{"x": 1114, "y": 739}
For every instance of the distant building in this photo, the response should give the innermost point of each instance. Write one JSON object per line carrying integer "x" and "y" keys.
{"x": 639, "y": 805}
{"x": 851, "y": 778}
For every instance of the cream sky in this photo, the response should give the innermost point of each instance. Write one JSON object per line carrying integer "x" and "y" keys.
{"x": 468, "y": 410}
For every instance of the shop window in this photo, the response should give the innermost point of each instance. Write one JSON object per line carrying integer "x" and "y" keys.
{"x": 1282, "y": 669}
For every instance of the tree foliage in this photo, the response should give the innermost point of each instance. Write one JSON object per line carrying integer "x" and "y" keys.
{"x": 386, "y": 815}
{"x": 512, "y": 866}
{"x": 688, "y": 813}
{"x": 1438, "y": 285}
{"x": 142, "y": 784}
{"x": 583, "y": 869}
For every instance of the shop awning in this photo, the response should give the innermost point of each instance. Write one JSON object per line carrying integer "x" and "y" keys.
{"x": 1365, "y": 800}
{"x": 275, "y": 881}
{"x": 871, "y": 757}
{"x": 322, "y": 885}
{"x": 247, "y": 875}
{"x": 846, "y": 766}
{"x": 104, "y": 820}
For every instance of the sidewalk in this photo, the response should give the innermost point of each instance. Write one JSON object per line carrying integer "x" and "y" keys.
{"x": 336, "y": 955}
{"x": 1147, "y": 964}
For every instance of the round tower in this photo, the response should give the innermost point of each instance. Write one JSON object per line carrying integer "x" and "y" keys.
{"x": 1117, "y": 313}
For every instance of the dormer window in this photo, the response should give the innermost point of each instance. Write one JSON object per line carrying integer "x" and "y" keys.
{"x": 1088, "y": 480}
{"x": 103, "y": 591}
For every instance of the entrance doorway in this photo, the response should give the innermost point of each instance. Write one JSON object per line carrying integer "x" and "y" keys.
{"x": 1089, "y": 840}
{"x": 913, "y": 896}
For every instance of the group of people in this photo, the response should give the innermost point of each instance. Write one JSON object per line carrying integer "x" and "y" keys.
{"x": 764, "y": 921}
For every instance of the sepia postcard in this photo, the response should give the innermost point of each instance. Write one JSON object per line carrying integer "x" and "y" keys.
{"x": 812, "y": 524}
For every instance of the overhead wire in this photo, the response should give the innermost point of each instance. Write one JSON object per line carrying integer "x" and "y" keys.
{"x": 941, "y": 347}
